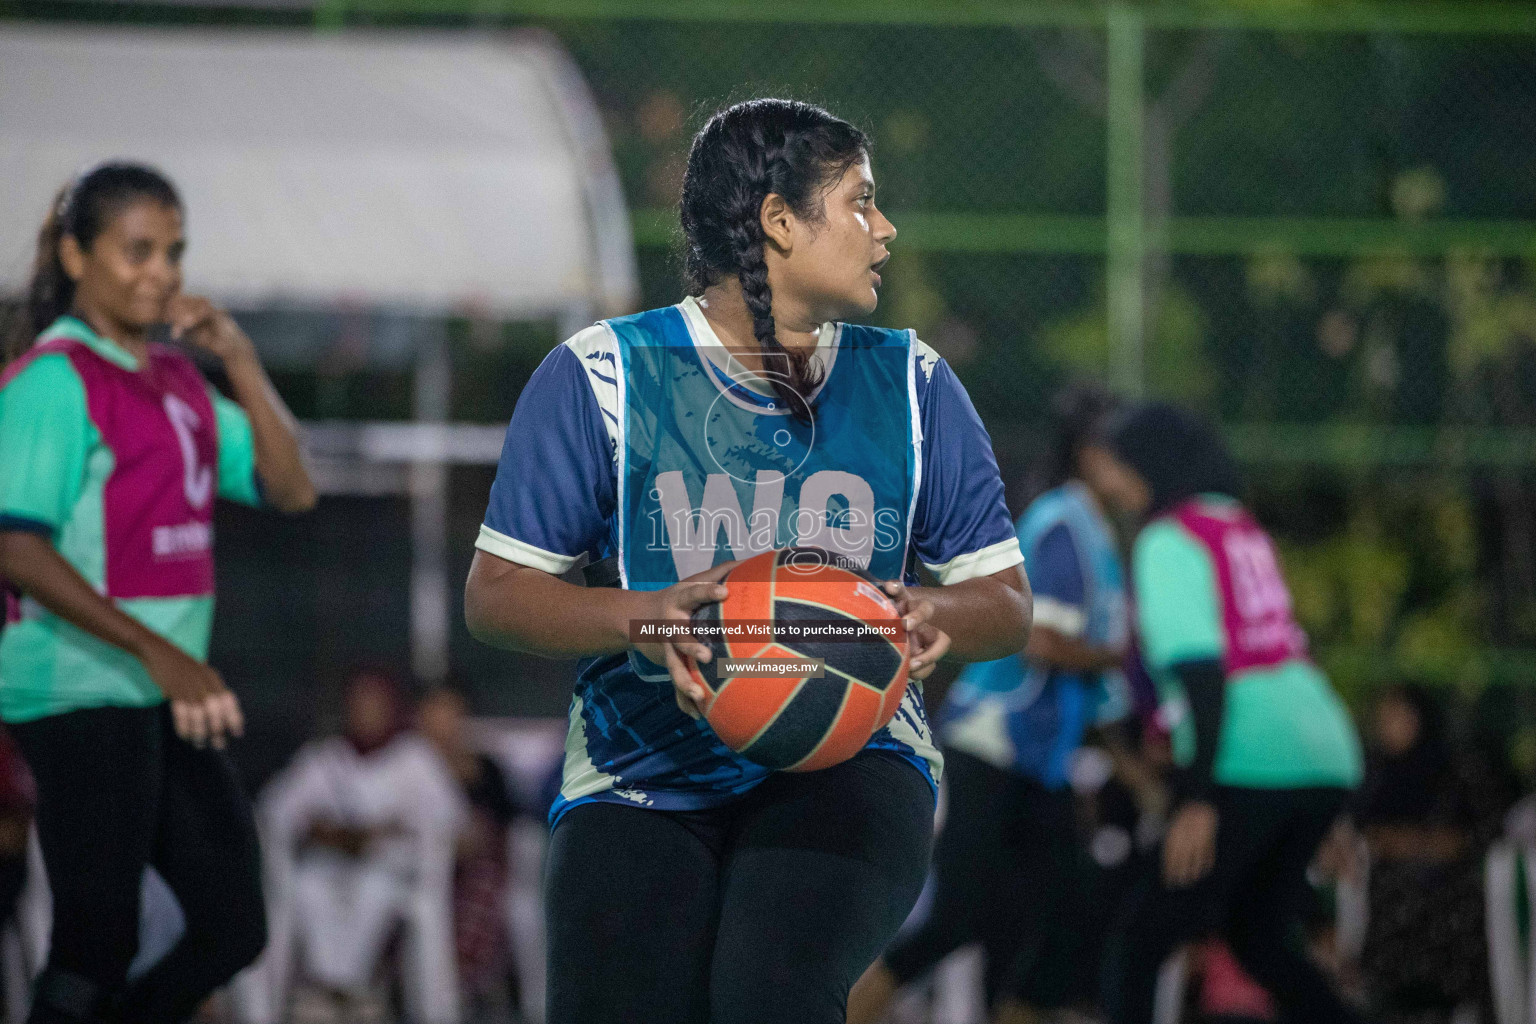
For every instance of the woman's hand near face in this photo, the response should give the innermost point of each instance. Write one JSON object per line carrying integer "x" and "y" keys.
{"x": 199, "y": 322}
{"x": 279, "y": 461}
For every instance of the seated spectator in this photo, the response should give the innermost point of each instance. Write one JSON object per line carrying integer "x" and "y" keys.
{"x": 1427, "y": 824}
{"x": 481, "y": 873}
{"x": 360, "y": 833}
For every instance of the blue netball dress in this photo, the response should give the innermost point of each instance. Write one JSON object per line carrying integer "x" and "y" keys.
{"x": 643, "y": 440}
{"x": 1026, "y": 717}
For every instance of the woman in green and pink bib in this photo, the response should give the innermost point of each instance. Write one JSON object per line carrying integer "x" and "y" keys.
{"x": 112, "y": 450}
{"x": 1266, "y": 753}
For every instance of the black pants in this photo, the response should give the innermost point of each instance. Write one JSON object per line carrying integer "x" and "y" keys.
{"x": 1005, "y": 869}
{"x": 117, "y": 789}
{"x": 1254, "y": 896}
{"x": 765, "y": 911}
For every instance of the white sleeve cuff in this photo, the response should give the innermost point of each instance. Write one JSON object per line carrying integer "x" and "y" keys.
{"x": 1066, "y": 619}
{"x": 513, "y": 550}
{"x": 994, "y": 558}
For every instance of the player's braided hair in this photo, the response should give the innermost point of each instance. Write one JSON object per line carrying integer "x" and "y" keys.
{"x": 82, "y": 209}
{"x": 745, "y": 153}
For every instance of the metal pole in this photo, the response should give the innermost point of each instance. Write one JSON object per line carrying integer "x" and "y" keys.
{"x": 430, "y": 604}
{"x": 1126, "y": 217}
{"x": 330, "y": 16}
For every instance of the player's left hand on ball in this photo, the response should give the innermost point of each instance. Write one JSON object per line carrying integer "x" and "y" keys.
{"x": 196, "y": 320}
{"x": 676, "y": 604}
{"x": 926, "y": 642}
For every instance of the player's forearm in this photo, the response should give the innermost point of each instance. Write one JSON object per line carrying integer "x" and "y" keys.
{"x": 1052, "y": 647}
{"x": 986, "y": 618}
{"x": 31, "y": 563}
{"x": 279, "y": 462}
{"x": 520, "y": 608}
{"x": 1205, "y": 692}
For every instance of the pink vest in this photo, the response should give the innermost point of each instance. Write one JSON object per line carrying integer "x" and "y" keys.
{"x": 158, "y": 502}
{"x": 1255, "y": 602}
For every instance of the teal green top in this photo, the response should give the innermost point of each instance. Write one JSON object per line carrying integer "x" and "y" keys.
{"x": 1284, "y": 727}
{"x": 53, "y": 472}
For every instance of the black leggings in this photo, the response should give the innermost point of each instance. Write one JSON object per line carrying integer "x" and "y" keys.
{"x": 117, "y": 789}
{"x": 1006, "y": 867}
{"x": 761, "y": 912}
{"x": 1255, "y": 896}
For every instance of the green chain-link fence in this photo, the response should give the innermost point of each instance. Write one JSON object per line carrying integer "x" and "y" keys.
{"x": 1315, "y": 222}
{"x": 1328, "y": 242}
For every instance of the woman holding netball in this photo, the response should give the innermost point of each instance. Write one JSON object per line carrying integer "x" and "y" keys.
{"x": 1267, "y": 754}
{"x": 112, "y": 450}
{"x": 687, "y": 884}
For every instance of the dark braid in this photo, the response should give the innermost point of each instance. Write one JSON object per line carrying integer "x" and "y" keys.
{"x": 741, "y": 156}
{"x": 792, "y": 374}
{"x": 82, "y": 210}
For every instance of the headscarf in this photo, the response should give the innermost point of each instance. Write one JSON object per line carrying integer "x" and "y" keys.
{"x": 1178, "y": 454}
{"x": 1416, "y": 785}
{"x": 386, "y": 686}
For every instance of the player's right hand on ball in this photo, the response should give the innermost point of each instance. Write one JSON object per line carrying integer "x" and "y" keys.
{"x": 203, "y": 708}
{"x": 676, "y": 604}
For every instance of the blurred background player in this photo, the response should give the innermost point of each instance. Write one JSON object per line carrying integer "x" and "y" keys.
{"x": 1007, "y": 859}
{"x": 685, "y": 883}
{"x": 112, "y": 450}
{"x": 1266, "y": 753}
{"x": 360, "y": 833}
{"x": 481, "y": 871}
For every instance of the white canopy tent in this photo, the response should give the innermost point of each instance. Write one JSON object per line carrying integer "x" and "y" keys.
{"x": 427, "y": 173}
